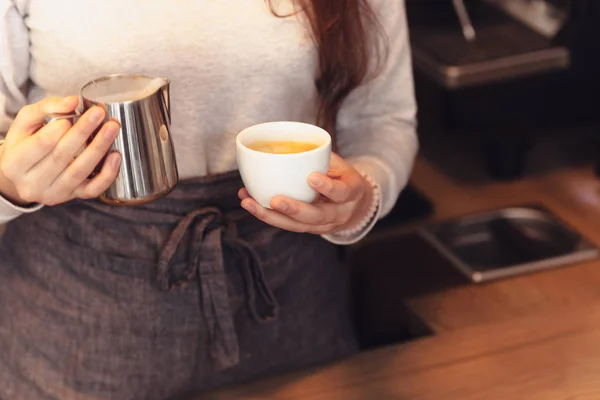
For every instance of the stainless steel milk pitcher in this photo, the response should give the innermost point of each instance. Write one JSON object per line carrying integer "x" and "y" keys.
{"x": 141, "y": 105}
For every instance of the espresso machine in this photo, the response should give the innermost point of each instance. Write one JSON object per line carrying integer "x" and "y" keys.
{"x": 503, "y": 69}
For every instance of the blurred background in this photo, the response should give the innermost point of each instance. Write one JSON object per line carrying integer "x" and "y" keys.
{"x": 510, "y": 85}
{"x": 505, "y": 189}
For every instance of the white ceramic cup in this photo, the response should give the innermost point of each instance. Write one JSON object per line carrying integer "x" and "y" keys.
{"x": 267, "y": 175}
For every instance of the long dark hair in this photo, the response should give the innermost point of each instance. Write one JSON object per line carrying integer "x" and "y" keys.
{"x": 348, "y": 37}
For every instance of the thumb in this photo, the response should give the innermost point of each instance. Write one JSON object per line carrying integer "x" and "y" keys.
{"x": 31, "y": 117}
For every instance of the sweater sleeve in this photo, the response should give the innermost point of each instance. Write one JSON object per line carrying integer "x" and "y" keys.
{"x": 377, "y": 122}
{"x": 14, "y": 76}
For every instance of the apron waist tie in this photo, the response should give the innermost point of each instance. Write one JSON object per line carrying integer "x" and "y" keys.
{"x": 205, "y": 263}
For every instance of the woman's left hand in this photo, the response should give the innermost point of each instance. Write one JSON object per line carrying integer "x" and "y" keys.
{"x": 345, "y": 200}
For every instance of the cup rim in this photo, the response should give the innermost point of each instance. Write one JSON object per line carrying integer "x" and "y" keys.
{"x": 326, "y": 135}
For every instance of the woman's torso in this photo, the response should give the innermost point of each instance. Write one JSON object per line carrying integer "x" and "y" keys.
{"x": 182, "y": 294}
{"x": 232, "y": 63}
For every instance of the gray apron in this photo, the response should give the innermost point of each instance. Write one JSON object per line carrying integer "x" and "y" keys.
{"x": 181, "y": 295}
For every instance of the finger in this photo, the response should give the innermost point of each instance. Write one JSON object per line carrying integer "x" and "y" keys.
{"x": 63, "y": 154}
{"x": 81, "y": 168}
{"x": 72, "y": 142}
{"x": 278, "y": 220}
{"x": 243, "y": 194}
{"x": 31, "y": 117}
{"x": 35, "y": 148}
{"x": 311, "y": 214}
{"x": 98, "y": 185}
{"x": 337, "y": 190}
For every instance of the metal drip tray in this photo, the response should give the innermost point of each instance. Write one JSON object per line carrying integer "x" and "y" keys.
{"x": 508, "y": 242}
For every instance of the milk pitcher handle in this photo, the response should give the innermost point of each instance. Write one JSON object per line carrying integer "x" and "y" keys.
{"x": 73, "y": 117}
{"x": 166, "y": 93}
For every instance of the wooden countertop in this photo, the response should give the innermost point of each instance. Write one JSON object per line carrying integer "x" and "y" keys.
{"x": 547, "y": 358}
{"x": 573, "y": 196}
{"x": 529, "y": 337}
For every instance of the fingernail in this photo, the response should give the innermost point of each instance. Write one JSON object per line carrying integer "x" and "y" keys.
{"x": 315, "y": 180}
{"x": 248, "y": 207}
{"x": 115, "y": 161}
{"x": 111, "y": 132}
{"x": 283, "y": 206}
{"x": 96, "y": 115}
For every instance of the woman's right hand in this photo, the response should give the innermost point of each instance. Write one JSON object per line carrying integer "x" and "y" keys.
{"x": 40, "y": 163}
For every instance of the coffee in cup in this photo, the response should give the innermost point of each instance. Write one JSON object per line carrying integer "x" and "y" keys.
{"x": 276, "y": 159}
{"x": 281, "y": 146}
